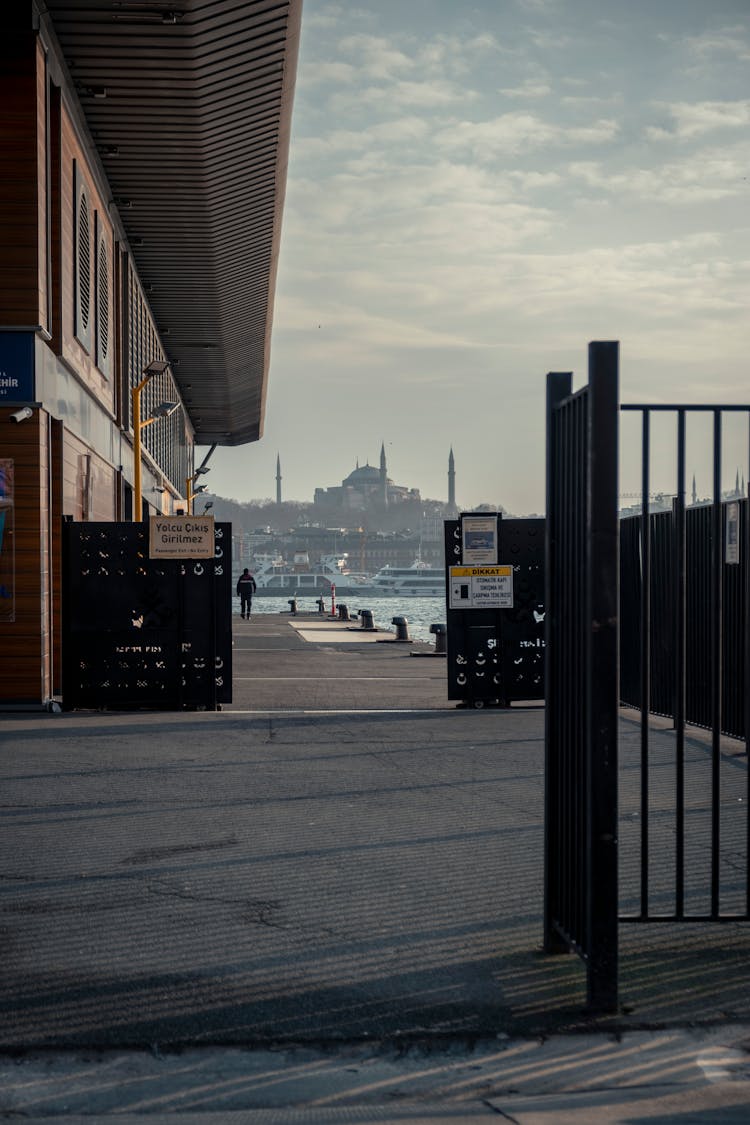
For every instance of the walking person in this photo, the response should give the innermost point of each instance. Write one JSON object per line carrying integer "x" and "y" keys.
{"x": 246, "y": 587}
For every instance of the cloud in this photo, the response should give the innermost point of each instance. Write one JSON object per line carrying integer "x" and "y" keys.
{"x": 725, "y": 40}
{"x": 396, "y": 131}
{"x": 514, "y": 133}
{"x": 406, "y": 94}
{"x": 377, "y": 57}
{"x": 329, "y": 72}
{"x": 709, "y": 175}
{"x": 694, "y": 119}
{"x": 528, "y": 89}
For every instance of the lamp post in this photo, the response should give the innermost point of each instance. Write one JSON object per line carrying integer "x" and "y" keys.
{"x": 190, "y": 492}
{"x": 155, "y": 367}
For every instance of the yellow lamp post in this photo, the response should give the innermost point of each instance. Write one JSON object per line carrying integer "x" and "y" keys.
{"x": 156, "y": 367}
{"x": 190, "y": 492}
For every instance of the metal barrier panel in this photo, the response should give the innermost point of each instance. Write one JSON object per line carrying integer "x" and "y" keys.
{"x": 685, "y": 645}
{"x": 661, "y": 624}
{"x": 496, "y": 656}
{"x": 139, "y": 631}
{"x": 581, "y": 884}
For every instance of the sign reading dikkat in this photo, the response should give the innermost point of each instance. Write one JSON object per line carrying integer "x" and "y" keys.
{"x": 481, "y": 587}
{"x": 181, "y": 537}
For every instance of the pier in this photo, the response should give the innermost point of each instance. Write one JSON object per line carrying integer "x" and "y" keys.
{"x": 328, "y": 894}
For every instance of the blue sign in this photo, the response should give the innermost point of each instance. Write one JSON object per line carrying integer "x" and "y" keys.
{"x": 17, "y": 382}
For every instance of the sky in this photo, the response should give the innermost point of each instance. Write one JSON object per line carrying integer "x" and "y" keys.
{"x": 476, "y": 191}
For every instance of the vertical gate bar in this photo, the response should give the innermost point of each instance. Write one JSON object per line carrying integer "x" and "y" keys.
{"x": 678, "y": 568}
{"x": 558, "y": 388}
{"x": 580, "y": 628}
{"x": 645, "y": 646}
{"x": 602, "y": 678}
{"x": 180, "y": 572}
{"x": 68, "y": 702}
{"x": 213, "y": 694}
{"x": 746, "y": 628}
{"x": 716, "y": 667}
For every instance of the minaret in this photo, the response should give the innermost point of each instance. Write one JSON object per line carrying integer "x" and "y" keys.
{"x": 278, "y": 479}
{"x": 383, "y": 477}
{"x": 695, "y": 492}
{"x": 451, "y": 482}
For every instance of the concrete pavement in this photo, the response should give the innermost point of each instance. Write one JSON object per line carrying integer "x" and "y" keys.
{"x": 325, "y": 900}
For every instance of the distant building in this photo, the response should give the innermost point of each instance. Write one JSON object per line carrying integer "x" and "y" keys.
{"x": 366, "y": 487}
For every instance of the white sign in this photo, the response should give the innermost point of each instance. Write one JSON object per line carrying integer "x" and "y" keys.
{"x": 181, "y": 537}
{"x": 732, "y": 543}
{"x": 481, "y": 587}
{"x": 478, "y": 539}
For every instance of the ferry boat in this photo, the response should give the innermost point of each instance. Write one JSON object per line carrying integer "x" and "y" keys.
{"x": 275, "y": 578}
{"x": 416, "y": 581}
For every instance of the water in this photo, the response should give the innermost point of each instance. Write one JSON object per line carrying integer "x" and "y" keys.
{"x": 419, "y": 612}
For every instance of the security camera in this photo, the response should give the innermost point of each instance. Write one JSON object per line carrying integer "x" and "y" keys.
{"x": 22, "y": 414}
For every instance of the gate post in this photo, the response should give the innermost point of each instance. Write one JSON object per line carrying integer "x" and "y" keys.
{"x": 582, "y": 570}
{"x": 559, "y": 384}
{"x": 602, "y": 674}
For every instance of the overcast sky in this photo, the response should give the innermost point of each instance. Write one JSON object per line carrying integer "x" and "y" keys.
{"x": 475, "y": 191}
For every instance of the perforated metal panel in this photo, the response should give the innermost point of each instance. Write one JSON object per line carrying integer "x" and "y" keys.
{"x": 139, "y": 632}
{"x": 497, "y": 655}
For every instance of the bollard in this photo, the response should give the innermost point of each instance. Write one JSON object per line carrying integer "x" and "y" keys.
{"x": 402, "y": 628}
{"x": 366, "y": 619}
{"x": 441, "y": 638}
{"x": 293, "y": 606}
{"x": 343, "y": 612}
{"x": 333, "y": 599}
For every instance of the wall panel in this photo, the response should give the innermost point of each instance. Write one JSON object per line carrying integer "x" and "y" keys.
{"x": 23, "y": 665}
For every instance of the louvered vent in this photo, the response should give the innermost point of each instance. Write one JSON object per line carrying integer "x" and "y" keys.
{"x": 84, "y": 261}
{"x": 102, "y": 299}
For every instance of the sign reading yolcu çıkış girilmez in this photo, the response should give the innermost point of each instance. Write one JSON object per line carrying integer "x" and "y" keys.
{"x": 181, "y": 537}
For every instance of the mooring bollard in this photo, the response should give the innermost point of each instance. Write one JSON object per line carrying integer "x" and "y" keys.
{"x": 365, "y": 616}
{"x": 293, "y": 606}
{"x": 343, "y": 612}
{"x": 441, "y": 637}
{"x": 402, "y": 628}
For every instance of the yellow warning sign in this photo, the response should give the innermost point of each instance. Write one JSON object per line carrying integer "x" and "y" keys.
{"x": 481, "y": 587}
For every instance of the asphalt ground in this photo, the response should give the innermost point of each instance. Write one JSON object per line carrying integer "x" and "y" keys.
{"x": 328, "y": 896}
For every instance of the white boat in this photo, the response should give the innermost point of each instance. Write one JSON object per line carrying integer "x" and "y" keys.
{"x": 275, "y": 578}
{"x": 416, "y": 581}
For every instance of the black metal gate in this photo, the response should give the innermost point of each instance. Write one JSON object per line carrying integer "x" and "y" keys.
{"x": 582, "y": 709}
{"x": 674, "y": 843}
{"x": 140, "y": 632}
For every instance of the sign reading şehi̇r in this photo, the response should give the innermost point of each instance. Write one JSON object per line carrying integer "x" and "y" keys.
{"x": 181, "y": 537}
{"x": 481, "y": 587}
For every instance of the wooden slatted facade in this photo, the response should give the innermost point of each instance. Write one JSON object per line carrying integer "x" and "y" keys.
{"x": 60, "y": 469}
{"x": 80, "y": 294}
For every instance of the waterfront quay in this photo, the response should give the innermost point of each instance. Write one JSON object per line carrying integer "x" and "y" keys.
{"x": 324, "y": 903}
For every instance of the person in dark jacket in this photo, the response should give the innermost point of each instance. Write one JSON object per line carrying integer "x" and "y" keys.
{"x": 246, "y": 587}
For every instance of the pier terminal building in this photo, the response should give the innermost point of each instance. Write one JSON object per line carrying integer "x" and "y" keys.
{"x": 145, "y": 154}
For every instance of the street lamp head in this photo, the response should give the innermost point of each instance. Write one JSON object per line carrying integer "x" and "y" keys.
{"x": 201, "y": 470}
{"x": 164, "y": 409}
{"x": 200, "y": 488}
{"x": 155, "y": 367}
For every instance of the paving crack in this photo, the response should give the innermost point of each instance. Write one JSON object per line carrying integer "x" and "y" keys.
{"x": 256, "y": 911}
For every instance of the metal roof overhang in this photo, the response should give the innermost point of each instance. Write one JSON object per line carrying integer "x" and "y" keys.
{"x": 189, "y": 106}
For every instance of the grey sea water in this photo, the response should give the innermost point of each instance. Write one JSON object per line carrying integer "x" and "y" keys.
{"x": 419, "y": 612}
